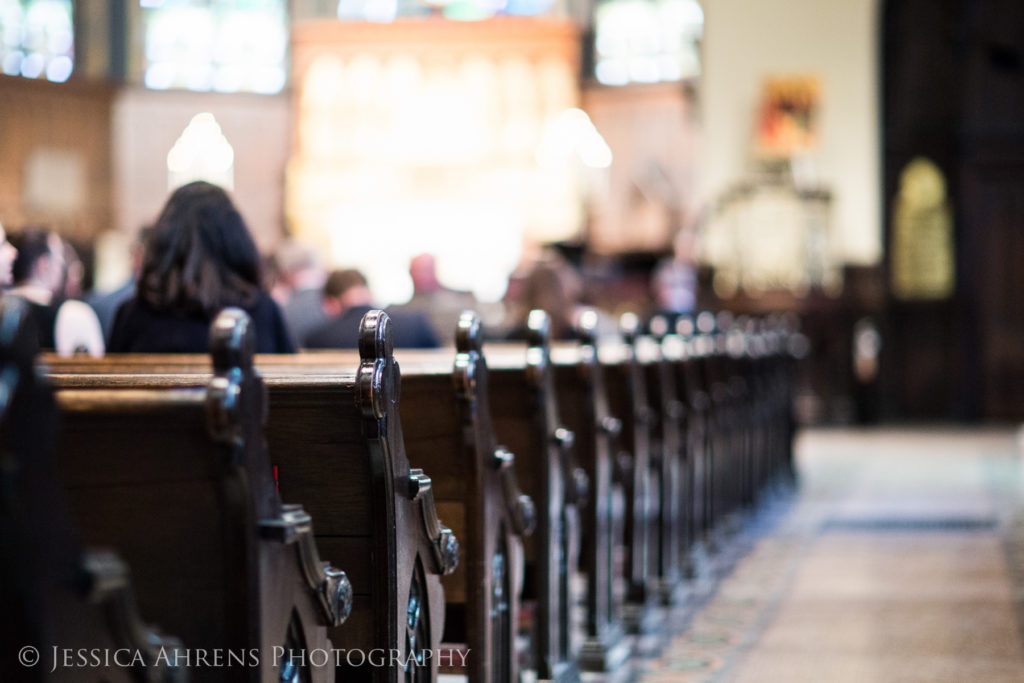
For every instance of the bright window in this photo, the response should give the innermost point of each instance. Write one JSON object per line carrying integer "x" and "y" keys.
{"x": 647, "y": 41}
{"x": 227, "y": 46}
{"x": 37, "y": 39}
{"x": 385, "y": 11}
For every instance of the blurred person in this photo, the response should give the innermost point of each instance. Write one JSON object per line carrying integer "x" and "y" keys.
{"x": 273, "y": 281}
{"x": 674, "y": 291}
{"x": 106, "y": 305}
{"x": 346, "y": 299}
{"x": 304, "y": 275}
{"x": 73, "y": 284}
{"x": 38, "y": 278}
{"x": 8, "y": 252}
{"x": 442, "y": 305}
{"x": 200, "y": 259}
{"x": 554, "y": 286}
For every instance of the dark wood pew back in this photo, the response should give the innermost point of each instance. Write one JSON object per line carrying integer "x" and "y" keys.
{"x": 173, "y": 470}
{"x": 628, "y": 401}
{"x": 53, "y": 593}
{"x": 336, "y": 444}
{"x": 526, "y": 419}
{"x": 447, "y": 431}
{"x": 583, "y": 404}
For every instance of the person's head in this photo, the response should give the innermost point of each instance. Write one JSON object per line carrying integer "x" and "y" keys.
{"x": 554, "y": 286}
{"x": 673, "y": 285}
{"x": 200, "y": 257}
{"x": 344, "y": 289}
{"x": 73, "y": 275}
{"x": 40, "y": 260}
{"x": 423, "y": 272}
{"x": 300, "y": 266}
{"x": 8, "y": 253}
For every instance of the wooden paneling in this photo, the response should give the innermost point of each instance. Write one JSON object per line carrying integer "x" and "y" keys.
{"x": 71, "y": 119}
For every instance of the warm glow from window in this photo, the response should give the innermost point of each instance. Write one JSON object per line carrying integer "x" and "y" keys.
{"x": 468, "y": 155}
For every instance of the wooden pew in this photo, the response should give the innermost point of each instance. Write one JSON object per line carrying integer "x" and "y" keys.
{"x": 446, "y": 425}
{"x": 526, "y": 419}
{"x": 737, "y": 380}
{"x": 446, "y": 428}
{"x": 692, "y": 391}
{"x": 174, "y": 470}
{"x": 583, "y": 404}
{"x": 55, "y": 595}
{"x": 772, "y": 367}
{"x": 670, "y": 464}
{"x": 628, "y": 401}
{"x": 707, "y": 349}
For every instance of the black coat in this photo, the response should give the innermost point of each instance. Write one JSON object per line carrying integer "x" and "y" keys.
{"x": 139, "y": 328}
{"x": 410, "y": 330}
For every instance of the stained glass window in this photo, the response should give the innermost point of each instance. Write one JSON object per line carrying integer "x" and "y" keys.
{"x": 227, "y": 45}
{"x": 384, "y": 11}
{"x": 37, "y": 39}
{"x": 647, "y": 41}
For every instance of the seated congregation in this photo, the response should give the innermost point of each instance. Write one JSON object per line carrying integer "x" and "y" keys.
{"x": 493, "y": 509}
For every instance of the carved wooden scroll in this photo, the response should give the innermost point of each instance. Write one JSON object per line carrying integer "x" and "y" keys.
{"x": 498, "y": 516}
{"x": 235, "y": 394}
{"x": 470, "y": 382}
{"x": 109, "y": 586}
{"x": 379, "y": 382}
{"x": 445, "y": 547}
{"x": 404, "y": 591}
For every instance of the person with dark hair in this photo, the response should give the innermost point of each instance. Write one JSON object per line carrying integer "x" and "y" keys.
{"x": 554, "y": 286}
{"x": 199, "y": 259}
{"x": 305, "y": 276}
{"x": 346, "y": 300}
{"x": 38, "y": 275}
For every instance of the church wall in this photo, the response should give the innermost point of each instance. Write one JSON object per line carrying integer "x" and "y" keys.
{"x": 836, "y": 40}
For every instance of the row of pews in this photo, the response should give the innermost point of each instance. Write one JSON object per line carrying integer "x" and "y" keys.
{"x": 537, "y": 510}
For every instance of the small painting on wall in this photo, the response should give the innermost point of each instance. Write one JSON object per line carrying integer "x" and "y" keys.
{"x": 787, "y": 116}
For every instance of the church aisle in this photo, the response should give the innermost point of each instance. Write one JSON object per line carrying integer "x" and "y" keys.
{"x": 901, "y": 559}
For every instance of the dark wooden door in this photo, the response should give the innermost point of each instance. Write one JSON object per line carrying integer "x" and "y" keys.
{"x": 953, "y": 92}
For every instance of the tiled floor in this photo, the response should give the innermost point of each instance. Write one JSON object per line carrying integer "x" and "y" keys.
{"x": 901, "y": 559}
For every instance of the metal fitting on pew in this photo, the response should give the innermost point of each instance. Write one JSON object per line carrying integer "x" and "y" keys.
{"x": 520, "y": 505}
{"x": 331, "y": 585}
{"x": 109, "y": 586}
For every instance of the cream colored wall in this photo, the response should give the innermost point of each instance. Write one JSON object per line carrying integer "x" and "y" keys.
{"x": 746, "y": 40}
{"x": 146, "y": 123}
